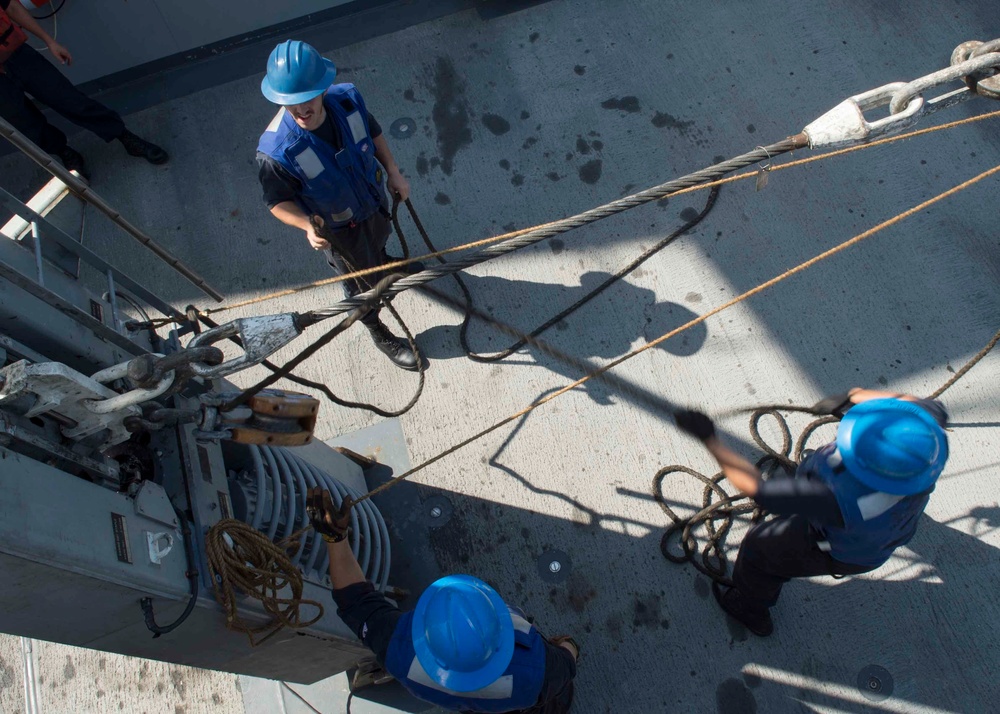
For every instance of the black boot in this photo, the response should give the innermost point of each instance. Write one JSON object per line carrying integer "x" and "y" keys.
{"x": 73, "y": 161}
{"x": 757, "y": 620}
{"x": 396, "y": 349}
{"x": 137, "y": 146}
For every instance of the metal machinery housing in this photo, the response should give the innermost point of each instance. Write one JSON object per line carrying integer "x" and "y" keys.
{"x": 90, "y": 511}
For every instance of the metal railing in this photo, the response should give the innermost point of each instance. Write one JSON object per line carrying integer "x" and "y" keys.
{"x": 116, "y": 279}
{"x": 86, "y": 194}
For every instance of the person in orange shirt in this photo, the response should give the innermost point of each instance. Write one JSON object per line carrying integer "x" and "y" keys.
{"x": 23, "y": 70}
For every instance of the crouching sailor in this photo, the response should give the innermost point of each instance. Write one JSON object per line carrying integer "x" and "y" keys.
{"x": 462, "y": 648}
{"x": 850, "y": 504}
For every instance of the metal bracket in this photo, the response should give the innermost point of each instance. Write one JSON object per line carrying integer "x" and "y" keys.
{"x": 152, "y": 502}
{"x": 159, "y": 546}
{"x": 260, "y": 336}
{"x": 845, "y": 124}
{"x": 58, "y": 388}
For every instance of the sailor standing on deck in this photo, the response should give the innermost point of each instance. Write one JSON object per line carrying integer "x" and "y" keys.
{"x": 324, "y": 155}
{"x": 24, "y": 71}
{"x": 850, "y": 504}
{"x": 462, "y": 648}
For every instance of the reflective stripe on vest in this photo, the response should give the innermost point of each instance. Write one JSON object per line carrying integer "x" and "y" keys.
{"x": 517, "y": 688}
{"x": 11, "y": 36}
{"x": 343, "y": 186}
{"x": 875, "y": 523}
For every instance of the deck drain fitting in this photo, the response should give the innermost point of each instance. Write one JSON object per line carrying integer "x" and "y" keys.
{"x": 436, "y": 511}
{"x": 875, "y": 682}
{"x": 403, "y": 128}
{"x": 554, "y": 566}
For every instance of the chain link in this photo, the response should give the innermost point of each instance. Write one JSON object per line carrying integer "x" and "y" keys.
{"x": 973, "y": 67}
{"x": 975, "y": 63}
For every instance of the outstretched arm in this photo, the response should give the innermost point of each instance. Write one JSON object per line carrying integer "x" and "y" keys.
{"x": 738, "y": 471}
{"x": 22, "y": 17}
{"x": 369, "y": 613}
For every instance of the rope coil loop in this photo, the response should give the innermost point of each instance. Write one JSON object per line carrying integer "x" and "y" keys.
{"x": 243, "y": 561}
{"x": 713, "y": 558}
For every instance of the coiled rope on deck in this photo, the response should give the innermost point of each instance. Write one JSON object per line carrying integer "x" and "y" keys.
{"x": 243, "y": 560}
{"x": 717, "y": 516}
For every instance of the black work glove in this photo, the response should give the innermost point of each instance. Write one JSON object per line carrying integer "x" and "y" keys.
{"x": 696, "y": 424}
{"x": 837, "y": 405}
{"x": 326, "y": 519}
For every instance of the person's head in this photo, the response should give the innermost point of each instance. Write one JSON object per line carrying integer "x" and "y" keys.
{"x": 308, "y": 115}
{"x": 893, "y": 446}
{"x": 462, "y": 633}
{"x": 297, "y": 77}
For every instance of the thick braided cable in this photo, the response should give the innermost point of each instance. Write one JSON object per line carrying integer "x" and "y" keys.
{"x": 691, "y": 323}
{"x": 557, "y": 227}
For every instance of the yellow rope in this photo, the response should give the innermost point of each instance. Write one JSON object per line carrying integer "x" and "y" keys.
{"x": 702, "y": 318}
{"x": 514, "y": 234}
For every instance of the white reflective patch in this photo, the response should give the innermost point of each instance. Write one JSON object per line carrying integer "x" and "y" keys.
{"x": 824, "y": 545}
{"x": 342, "y": 216}
{"x": 835, "y": 459}
{"x": 276, "y": 122}
{"x": 357, "y": 125}
{"x": 875, "y": 504}
{"x": 520, "y": 624}
{"x": 309, "y": 163}
{"x": 500, "y": 689}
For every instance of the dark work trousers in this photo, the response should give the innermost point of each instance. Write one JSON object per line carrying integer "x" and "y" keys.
{"x": 365, "y": 242}
{"x": 775, "y": 551}
{"x": 557, "y": 689}
{"x": 27, "y": 71}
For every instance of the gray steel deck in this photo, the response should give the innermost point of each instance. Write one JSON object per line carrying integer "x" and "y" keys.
{"x": 536, "y": 114}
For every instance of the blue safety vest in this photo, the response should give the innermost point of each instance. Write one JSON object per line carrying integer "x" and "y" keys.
{"x": 517, "y": 688}
{"x": 344, "y": 187}
{"x": 875, "y": 523}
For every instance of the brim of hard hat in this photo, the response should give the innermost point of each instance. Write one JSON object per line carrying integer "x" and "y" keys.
{"x": 462, "y": 681}
{"x": 856, "y": 419}
{"x": 287, "y": 100}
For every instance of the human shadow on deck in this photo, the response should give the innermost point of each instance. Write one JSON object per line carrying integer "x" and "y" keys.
{"x": 652, "y": 636}
{"x": 932, "y": 625}
{"x": 611, "y": 324}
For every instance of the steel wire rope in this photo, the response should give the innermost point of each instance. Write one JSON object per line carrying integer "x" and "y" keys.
{"x": 375, "y": 296}
{"x": 558, "y": 227}
{"x": 691, "y": 323}
{"x": 523, "y": 338}
{"x": 160, "y": 322}
{"x": 513, "y": 234}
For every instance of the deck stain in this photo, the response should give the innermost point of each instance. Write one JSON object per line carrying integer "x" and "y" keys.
{"x": 590, "y": 172}
{"x": 449, "y": 113}
{"x": 497, "y": 125}
{"x": 629, "y": 105}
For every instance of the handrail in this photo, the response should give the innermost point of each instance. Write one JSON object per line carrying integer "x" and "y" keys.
{"x": 84, "y": 192}
{"x": 83, "y": 253}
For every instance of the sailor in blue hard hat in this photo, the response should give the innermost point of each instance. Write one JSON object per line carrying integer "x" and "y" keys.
{"x": 850, "y": 505}
{"x": 327, "y": 170}
{"x": 463, "y": 648}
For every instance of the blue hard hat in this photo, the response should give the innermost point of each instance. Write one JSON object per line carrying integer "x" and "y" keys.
{"x": 296, "y": 73}
{"x": 462, "y": 633}
{"x": 892, "y": 445}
